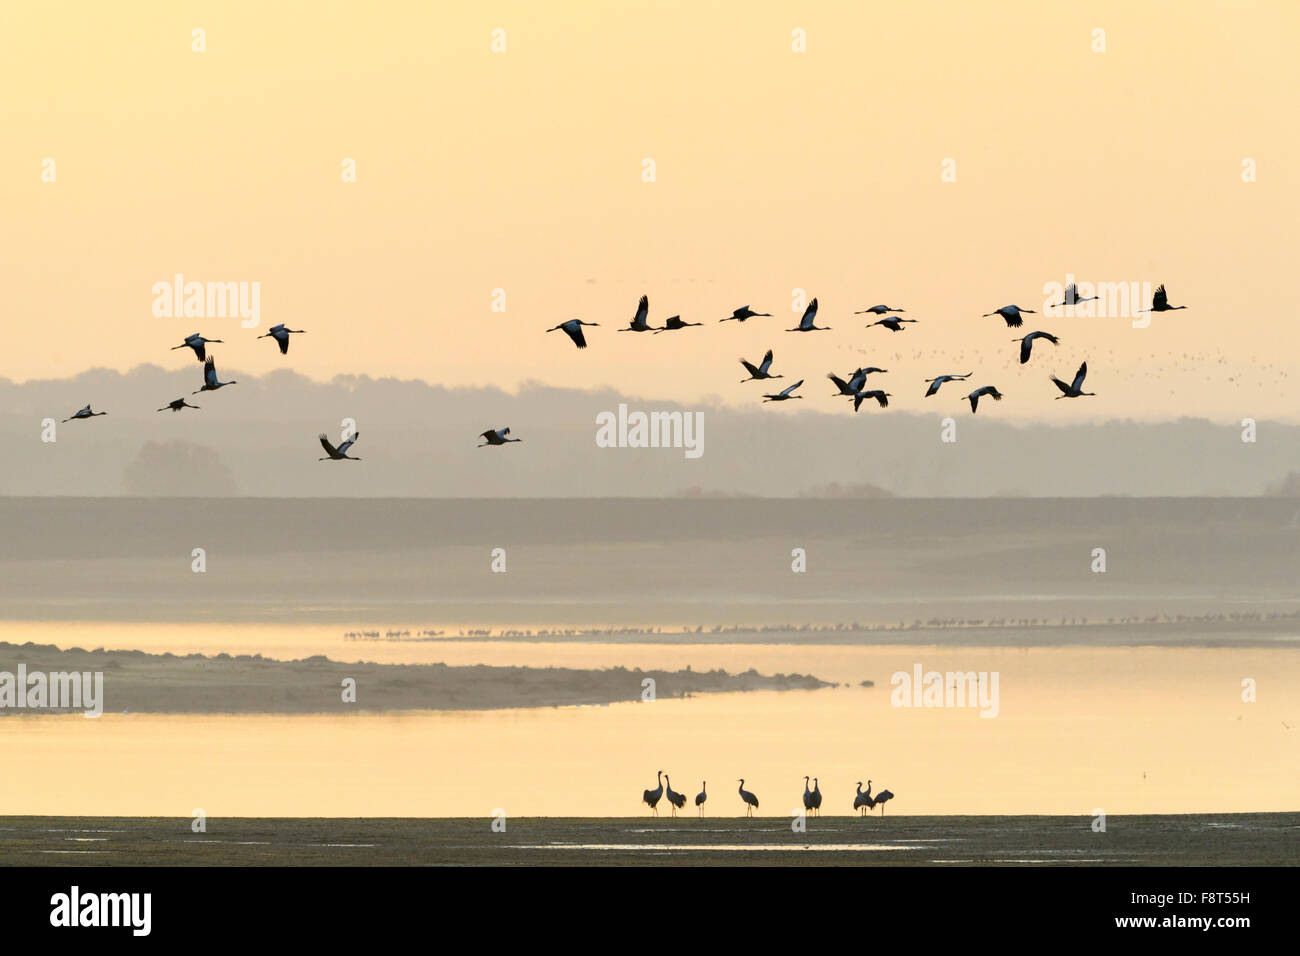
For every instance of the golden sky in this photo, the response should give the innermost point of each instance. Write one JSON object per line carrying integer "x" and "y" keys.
{"x": 775, "y": 170}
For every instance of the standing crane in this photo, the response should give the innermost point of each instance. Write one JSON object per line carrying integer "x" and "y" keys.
{"x": 281, "y": 335}
{"x": 806, "y": 323}
{"x": 807, "y": 795}
{"x": 573, "y": 329}
{"x": 816, "y": 798}
{"x": 1012, "y": 314}
{"x": 652, "y": 796}
{"x": 751, "y": 801}
{"x": 678, "y": 800}
{"x": 1027, "y": 343}
{"x": 1075, "y": 388}
{"x": 863, "y": 802}
{"x": 702, "y": 796}
{"x": 881, "y": 798}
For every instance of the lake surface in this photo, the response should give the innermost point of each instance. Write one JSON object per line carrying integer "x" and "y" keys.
{"x": 1124, "y": 730}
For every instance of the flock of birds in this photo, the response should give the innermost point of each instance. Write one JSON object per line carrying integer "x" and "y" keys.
{"x": 281, "y": 333}
{"x": 863, "y": 802}
{"x": 854, "y": 385}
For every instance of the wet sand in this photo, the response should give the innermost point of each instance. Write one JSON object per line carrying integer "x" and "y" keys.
{"x": 251, "y": 684}
{"x": 1269, "y": 839}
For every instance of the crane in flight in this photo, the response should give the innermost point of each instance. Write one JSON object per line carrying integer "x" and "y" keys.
{"x": 892, "y": 323}
{"x": 281, "y": 336}
{"x": 1012, "y": 314}
{"x": 573, "y": 329}
{"x": 761, "y": 371}
{"x": 1075, "y": 388}
{"x": 340, "y": 453}
{"x": 784, "y": 395}
{"x": 879, "y": 310}
{"x": 496, "y": 436}
{"x": 1027, "y": 343}
{"x": 743, "y": 313}
{"x": 638, "y": 321}
{"x": 83, "y": 413}
{"x": 882, "y": 397}
{"x": 1160, "y": 302}
{"x": 936, "y": 382}
{"x": 196, "y": 342}
{"x": 806, "y": 323}
{"x": 675, "y": 322}
{"x": 1072, "y": 297}
{"x": 210, "y": 383}
{"x": 988, "y": 390}
{"x": 176, "y": 405}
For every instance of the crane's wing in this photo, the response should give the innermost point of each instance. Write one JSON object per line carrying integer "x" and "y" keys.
{"x": 882, "y": 398}
{"x": 858, "y": 380}
{"x": 1160, "y": 299}
{"x": 210, "y": 371}
{"x": 642, "y": 310}
{"x": 809, "y": 314}
{"x": 325, "y": 443}
{"x": 1079, "y": 376}
{"x": 283, "y": 341}
{"x": 1061, "y": 385}
{"x": 934, "y": 386}
{"x": 1025, "y": 345}
{"x": 767, "y": 362}
{"x": 343, "y": 448}
{"x": 787, "y": 391}
{"x": 1071, "y": 294}
{"x": 575, "y": 332}
{"x": 842, "y": 385}
{"x": 751, "y": 369}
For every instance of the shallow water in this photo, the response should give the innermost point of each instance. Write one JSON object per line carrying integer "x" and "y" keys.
{"x": 1124, "y": 730}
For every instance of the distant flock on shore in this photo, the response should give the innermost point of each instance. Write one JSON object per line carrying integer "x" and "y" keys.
{"x": 863, "y": 802}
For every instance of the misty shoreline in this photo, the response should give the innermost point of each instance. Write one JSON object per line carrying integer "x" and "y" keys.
{"x": 140, "y": 682}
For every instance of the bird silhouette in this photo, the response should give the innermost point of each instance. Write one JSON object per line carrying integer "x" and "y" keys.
{"x": 806, "y": 323}
{"x": 761, "y": 371}
{"x": 83, "y": 413}
{"x": 678, "y": 800}
{"x": 891, "y": 323}
{"x": 1160, "y": 302}
{"x": 751, "y": 801}
{"x": 281, "y": 335}
{"x": 1027, "y": 343}
{"x": 881, "y": 397}
{"x": 675, "y": 322}
{"x": 573, "y": 329}
{"x": 176, "y": 405}
{"x": 784, "y": 395}
{"x": 743, "y": 313}
{"x": 196, "y": 342}
{"x": 936, "y": 382}
{"x": 496, "y": 436}
{"x": 340, "y": 453}
{"x": 638, "y": 321}
{"x": 702, "y": 796}
{"x": 651, "y": 797}
{"x": 1011, "y": 313}
{"x": 1075, "y": 388}
{"x": 210, "y": 383}
{"x": 988, "y": 390}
